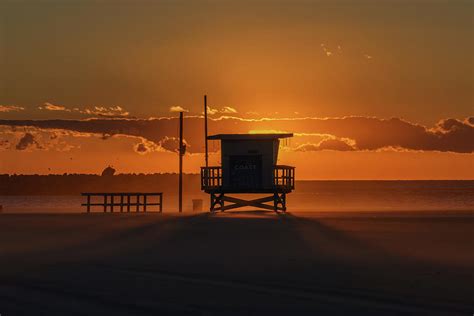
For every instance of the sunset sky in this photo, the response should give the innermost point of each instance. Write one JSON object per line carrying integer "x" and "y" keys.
{"x": 371, "y": 89}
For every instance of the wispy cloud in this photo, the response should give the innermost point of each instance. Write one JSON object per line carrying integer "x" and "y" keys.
{"x": 52, "y": 107}
{"x": 111, "y": 111}
{"x": 326, "y": 50}
{"x": 338, "y": 51}
{"x": 223, "y": 110}
{"x": 212, "y": 111}
{"x": 228, "y": 109}
{"x": 178, "y": 108}
{"x": 10, "y": 108}
{"x": 103, "y": 111}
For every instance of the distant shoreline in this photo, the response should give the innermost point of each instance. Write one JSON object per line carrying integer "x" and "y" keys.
{"x": 74, "y": 184}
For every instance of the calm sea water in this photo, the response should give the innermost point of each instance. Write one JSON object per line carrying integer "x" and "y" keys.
{"x": 309, "y": 195}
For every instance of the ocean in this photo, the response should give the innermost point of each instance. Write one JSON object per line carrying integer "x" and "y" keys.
{"x": 331, "y": 196}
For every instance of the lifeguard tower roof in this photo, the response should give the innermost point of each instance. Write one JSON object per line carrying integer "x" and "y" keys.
{"x": 249, "y": 136}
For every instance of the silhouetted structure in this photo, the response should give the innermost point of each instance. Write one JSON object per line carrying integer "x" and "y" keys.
{"x": 127, "y": 200}
{"x": 108, "y": 172}
{"x": 182, "y": 151}
{"x": 249, "y": 165}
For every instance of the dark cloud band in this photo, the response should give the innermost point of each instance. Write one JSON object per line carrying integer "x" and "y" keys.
{"x": 364, "y": 133}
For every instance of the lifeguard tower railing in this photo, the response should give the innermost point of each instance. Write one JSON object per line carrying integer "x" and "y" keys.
{"x": 283, "y": 179}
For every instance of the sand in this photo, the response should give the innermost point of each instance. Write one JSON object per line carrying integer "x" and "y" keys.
{"x": 249, "y": 262}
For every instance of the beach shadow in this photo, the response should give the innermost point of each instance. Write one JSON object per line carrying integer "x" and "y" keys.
{"x": 212, "y": 240}
{"x": 235, "y": 235}
{"x": 216, "y": 255}
{"x": 254, "y": 241}
{"x": 317, "y": 228}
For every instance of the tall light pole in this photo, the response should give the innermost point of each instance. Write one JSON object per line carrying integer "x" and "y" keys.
{"x": 182, "y": 150}
{"x": 205, "y": 131}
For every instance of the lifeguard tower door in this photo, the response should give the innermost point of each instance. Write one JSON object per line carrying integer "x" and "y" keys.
{"x": 245, "y": 172}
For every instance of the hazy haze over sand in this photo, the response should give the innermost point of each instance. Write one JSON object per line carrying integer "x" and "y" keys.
{"x": 237, "y": 263}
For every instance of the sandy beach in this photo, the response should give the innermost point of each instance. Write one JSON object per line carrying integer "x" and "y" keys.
{"x": 250, "y": 262}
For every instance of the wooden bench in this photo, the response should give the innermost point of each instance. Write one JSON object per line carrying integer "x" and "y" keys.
{"x": 124, "y": 200}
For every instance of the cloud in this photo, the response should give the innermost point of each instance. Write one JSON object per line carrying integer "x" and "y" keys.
{"x": 102, "y": 111}
{"x": 224, "y": 110}
{"x": 326, "y": 50}
{"x": 10, "y": 108}
{"x": 51, "y": 107}
{"x": 335, "y": 144}
{"x": 26, "y": 141}
{"x": 172, "y": 144}
{"x": 178, "y": 108}
{"x": 328, "y": 144}
{"x": 111, "y": 111}
{"x": 146, "y": 146}
{"x": 365, "y": 133}
{"x": 212, "y": 111}
{"x": 141, "y": 148}
{"x": 4, "y": 144}
{"x": 228, "y": 110}
{"x": 470, "y": 120}
{"x": 33, "y": 138}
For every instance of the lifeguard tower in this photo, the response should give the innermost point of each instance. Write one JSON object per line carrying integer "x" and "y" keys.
{"x": 248, "y": 166}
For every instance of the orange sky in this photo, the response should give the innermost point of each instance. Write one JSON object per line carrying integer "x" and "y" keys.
{"x": 337, "y": 70}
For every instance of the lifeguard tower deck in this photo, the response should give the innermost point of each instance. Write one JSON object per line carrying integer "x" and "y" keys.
{"x": 248, "y": 166}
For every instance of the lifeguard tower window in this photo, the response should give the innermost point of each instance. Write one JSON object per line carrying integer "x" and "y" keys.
{"x": 248, "y": 165}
